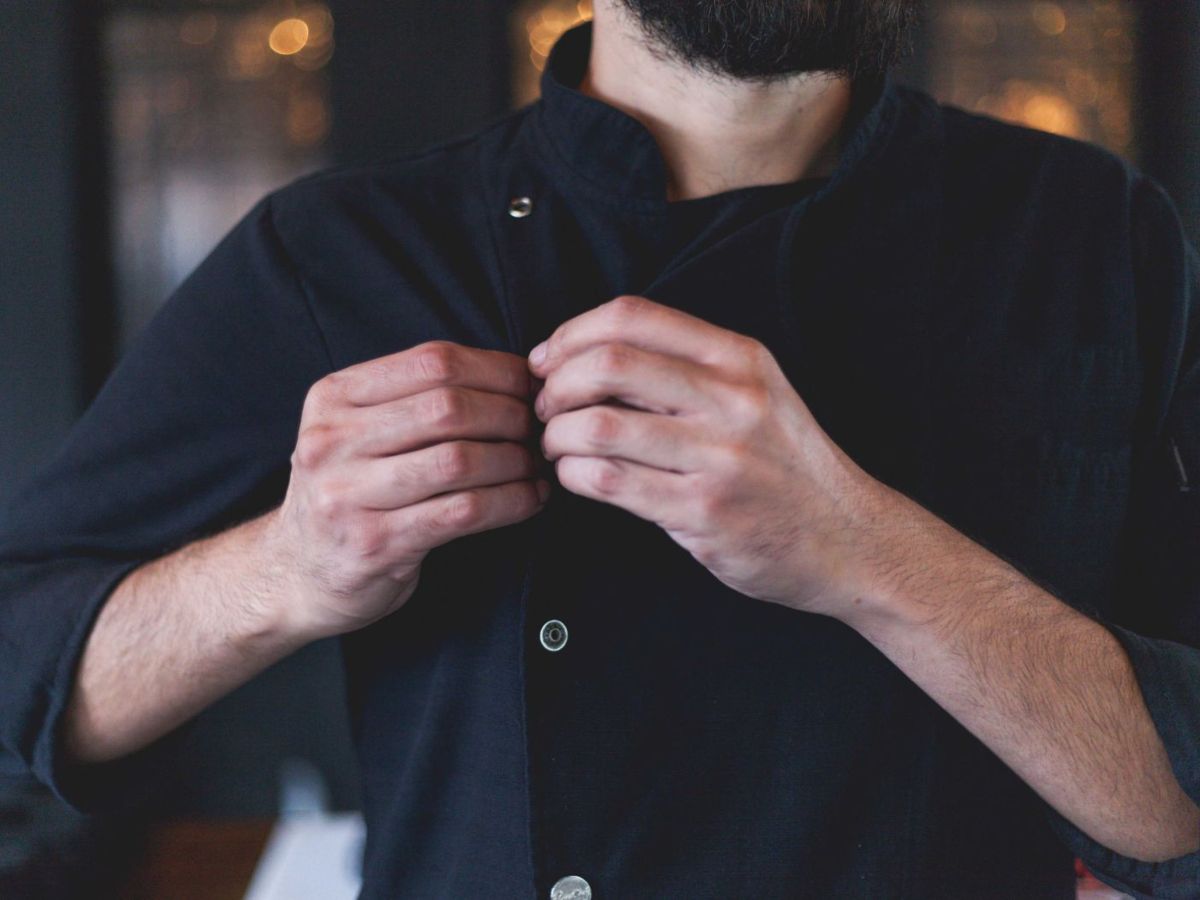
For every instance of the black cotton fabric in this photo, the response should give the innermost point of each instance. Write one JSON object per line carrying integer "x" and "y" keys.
{"x": 1002, "y": 324}
{"x": 697, "y": 222}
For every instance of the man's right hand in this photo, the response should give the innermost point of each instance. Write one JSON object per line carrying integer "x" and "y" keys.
{"x": 396, "y": 456}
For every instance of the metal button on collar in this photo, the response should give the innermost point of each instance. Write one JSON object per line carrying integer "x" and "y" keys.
{"x": 520, "y": 207}
{"x": 571, "y": 888}
{"x": 554, "y": 637}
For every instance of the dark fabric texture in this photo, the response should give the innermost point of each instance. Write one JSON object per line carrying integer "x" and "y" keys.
{"x": 1000, "y": 323}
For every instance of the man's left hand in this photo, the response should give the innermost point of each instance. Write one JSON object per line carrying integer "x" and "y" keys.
{"x": 710, "y": 441}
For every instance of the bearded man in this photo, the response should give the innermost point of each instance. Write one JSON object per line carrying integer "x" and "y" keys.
{"x": 732, "y": 475}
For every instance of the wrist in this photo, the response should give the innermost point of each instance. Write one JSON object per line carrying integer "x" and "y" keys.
{"x": 277, "y": 610}
{"x": 917, "y": 571}
{"x": 296, "y": 608}
{"x": 898, "y": 547}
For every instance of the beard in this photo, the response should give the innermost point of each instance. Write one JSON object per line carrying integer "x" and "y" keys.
{"x": 765, "y": 40}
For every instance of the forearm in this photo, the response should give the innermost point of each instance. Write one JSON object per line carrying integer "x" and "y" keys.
{"x": 1049, "y": 690}
{"x": 174, "y": 636}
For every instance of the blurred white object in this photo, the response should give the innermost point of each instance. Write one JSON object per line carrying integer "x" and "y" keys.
{"x": 1093, "y": 890}
{"x": 311, "y": 856}
{"x": 301, "y": 788}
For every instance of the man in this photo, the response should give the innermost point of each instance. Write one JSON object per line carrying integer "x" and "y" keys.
{"x": 870, "y": 566}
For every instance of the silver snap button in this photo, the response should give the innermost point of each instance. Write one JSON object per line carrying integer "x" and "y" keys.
{"x": 520, "y": 207}
{"x": 571, "y": 888}
{"x": 554, "y": 637}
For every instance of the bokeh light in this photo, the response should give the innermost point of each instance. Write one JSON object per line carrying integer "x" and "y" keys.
{"x": 1063, "y": 67}
{"x": 288, "y": 37}
{"x": 538, "y": 25}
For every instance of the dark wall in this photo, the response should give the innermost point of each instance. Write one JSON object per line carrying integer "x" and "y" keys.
{"x": 46, "y": 202}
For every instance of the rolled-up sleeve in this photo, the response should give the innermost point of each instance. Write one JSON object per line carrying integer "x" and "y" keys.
{"x": 1157, "y": 614}
{"x": 191, "y": 433}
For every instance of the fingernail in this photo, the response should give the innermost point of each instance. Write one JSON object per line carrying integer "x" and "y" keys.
{"x": 543, "y": 489}
{"x": 538, "y": 354}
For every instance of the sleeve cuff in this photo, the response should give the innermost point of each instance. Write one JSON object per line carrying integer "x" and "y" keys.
{"x": 1168, "y": 674}
{"x": 1171, "y": 879}
{"x": 84, "y": 584}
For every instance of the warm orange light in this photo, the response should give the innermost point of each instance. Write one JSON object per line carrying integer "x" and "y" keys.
{"x": 1049, "y": 18}
{"x": 545, "y": 26}
{"x": 288, "y": 37}
{"x": 1065, "y": 66}
{"x": 1052, "y": 113}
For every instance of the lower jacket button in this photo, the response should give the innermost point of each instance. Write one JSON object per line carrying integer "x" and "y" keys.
{"x": 571, "y": 888}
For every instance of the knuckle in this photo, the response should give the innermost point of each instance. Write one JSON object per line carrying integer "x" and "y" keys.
{"x": 465, "y": 509}
{"x": 365, "y": 538}
{"x": 750, "y": 403}
{"x": 602, "y": 427}
{"x": 454, "y": 461}
{"x": 437, "y": 362}
{"x": 606, "y": 477}
{"x": 625, "y": 307}
{"x": 326, "y": 391}
{"x": 448, "y": 407}
{"x": 314, "y": 445}
{"x": 612, "y": 359}
{"x": 754, "y": 351}
{"x": 328, "y": 501}
{"x": 745, "y": 355}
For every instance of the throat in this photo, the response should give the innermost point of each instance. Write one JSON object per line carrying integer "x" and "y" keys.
{"x": 715, "y": 133}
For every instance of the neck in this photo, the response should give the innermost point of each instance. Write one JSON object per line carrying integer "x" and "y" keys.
{"x": 716, "y": 133}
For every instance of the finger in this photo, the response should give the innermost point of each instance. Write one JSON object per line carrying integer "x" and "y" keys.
{"x": 641, "y": 378}
{"x": 664, "y": 442}
{"x": 425, "y": 366}
{"x": 649, "y": 493}
{"x": 646, "y": 324}
{"x": 396, "y": 481}
{"x": 438, "y": 415}
{"x": 433, "y": 522}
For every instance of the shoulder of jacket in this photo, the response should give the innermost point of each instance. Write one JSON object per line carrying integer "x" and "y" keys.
{"x": 441, "y": 169}
{"x": 979, "y": 144}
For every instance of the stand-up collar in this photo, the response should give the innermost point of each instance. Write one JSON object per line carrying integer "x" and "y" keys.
{"x": 615, "y": 155}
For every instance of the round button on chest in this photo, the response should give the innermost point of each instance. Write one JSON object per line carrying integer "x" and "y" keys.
{"x": 520, "y": 207}
{"x": 554, "y": 637}
{"x": 571, "y": 888}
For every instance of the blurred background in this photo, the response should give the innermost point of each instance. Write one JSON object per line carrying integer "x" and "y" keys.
{"x": 134, "y": 133}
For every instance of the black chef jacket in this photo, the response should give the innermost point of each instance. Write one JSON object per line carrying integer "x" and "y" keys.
{"x": 1000, "y": 323}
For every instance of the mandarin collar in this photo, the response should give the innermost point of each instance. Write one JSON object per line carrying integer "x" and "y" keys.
{"x": 614, "y": 157}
